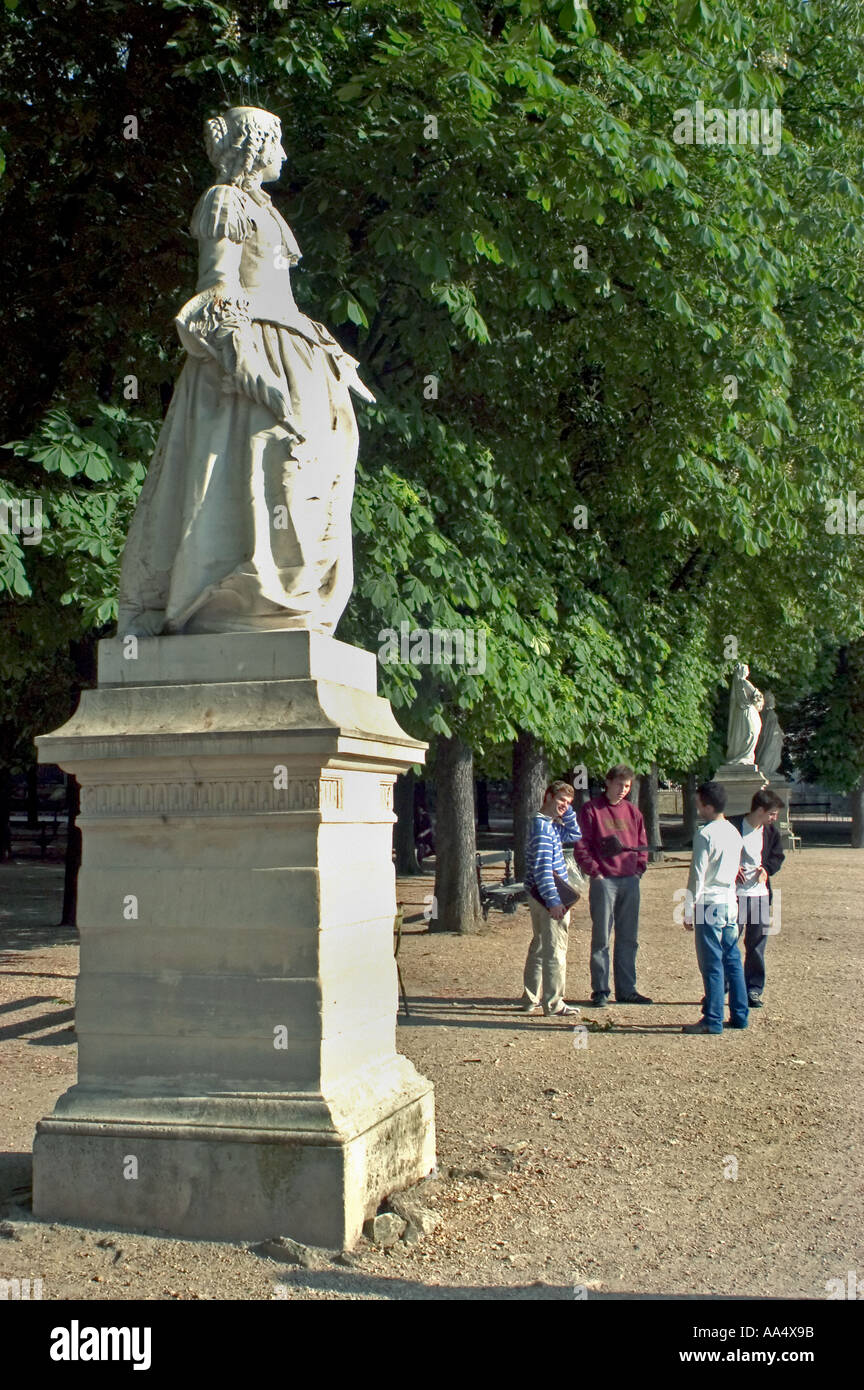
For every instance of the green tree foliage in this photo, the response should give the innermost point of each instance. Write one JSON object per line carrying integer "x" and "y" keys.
{"x": 557, "y": 304}
{"x": 826, "y": 726}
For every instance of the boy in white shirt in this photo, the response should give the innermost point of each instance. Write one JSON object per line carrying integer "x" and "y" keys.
{"x": 711, "y": 909}
{"x": 761, "y": 859}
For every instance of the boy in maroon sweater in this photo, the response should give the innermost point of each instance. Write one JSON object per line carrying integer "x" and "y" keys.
{"x": 614, "y": 855}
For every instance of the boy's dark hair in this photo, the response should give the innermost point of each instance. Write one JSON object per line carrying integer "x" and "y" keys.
{"x": 766, "y": 801}
{"x": 558, "y": 788}
{"x": 620, "y": 770}
{"x": 712, "y": 794}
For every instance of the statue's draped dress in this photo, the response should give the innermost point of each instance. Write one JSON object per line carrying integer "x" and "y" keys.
{"x": 745, "y": 721}
{"x": 238, "y": 525}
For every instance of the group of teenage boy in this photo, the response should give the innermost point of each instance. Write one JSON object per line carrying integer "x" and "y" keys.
{"x": 728, "y": 896}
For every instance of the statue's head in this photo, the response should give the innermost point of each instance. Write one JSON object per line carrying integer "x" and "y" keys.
{"x": 770, "y": 702}
{"x": 742, "y": 671}
{"x": 245, "y": 145}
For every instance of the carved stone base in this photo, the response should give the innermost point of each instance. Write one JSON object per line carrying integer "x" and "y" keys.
{"x": 187, "y": 1167}
{"x": 237, "y": 998}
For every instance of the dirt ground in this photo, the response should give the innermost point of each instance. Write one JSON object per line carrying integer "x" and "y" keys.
{"x": 643, "y": 1163}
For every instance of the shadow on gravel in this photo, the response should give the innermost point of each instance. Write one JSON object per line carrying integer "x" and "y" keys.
{"x": 27, "y": 1003}
{"x": 32, "y": 901}
{"x": 353, "y": 1282}
{"x": 19, "y": 936}
{"x": 64, "y": 1037}
{"x": 426, "y": 1011}
{"x": 16, "y": 1181}
{"x": 37, "y": 1025}
{"x": 7, "y": 958}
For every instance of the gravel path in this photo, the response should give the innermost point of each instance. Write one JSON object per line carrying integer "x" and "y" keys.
{"x": 641, "y": 1163}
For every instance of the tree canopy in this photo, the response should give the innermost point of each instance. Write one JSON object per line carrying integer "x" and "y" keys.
{"x": 618, "y": 376}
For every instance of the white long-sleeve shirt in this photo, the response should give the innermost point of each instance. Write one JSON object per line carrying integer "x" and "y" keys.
{"x": 714, "y": 867}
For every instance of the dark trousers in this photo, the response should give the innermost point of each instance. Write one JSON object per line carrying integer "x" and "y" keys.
{"x": 753, "y": 924}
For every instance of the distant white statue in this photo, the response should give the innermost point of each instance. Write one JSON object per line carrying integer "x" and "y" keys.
{"x": 769, "y": 749}
{"x": 244, "y": 520}
{"x": 745, "y": 724}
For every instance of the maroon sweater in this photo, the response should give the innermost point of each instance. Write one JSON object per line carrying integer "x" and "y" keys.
{"x": 598, "y": 819}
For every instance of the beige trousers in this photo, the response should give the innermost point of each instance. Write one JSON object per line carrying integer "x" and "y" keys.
{"x": 545, "y": 975}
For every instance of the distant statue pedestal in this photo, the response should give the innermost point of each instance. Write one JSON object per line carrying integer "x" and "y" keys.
{"x": 236, "y": 1007}
{"x": 742, "y": 781}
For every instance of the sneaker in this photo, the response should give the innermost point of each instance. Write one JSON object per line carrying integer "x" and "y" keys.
{"x": 564, "y": 1009}
{"x": 634, "y": 999}
{"x": 599, "y": 1001}
{"x": 730, "y": 1024}
{"x": 755, "y": 1001}
{"x": 701, "y": 1027}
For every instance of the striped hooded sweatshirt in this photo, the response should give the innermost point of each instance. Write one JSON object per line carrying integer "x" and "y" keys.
{"x": 544, "y": 854}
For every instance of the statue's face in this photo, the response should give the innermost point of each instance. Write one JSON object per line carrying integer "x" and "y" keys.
{"x": 272, "y": 158}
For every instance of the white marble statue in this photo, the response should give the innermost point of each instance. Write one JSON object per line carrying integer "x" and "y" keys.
{"x": 745, "y": 702}
{"x": 244, "y": 521}
{"x": 769, "y": 749}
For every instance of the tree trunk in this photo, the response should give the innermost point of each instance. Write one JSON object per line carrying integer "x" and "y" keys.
{"x": 857, "y": 799}
{"x": 482, "y": 804}
{"x": 649, "y": 805}
{"x": 691, "y": 815}
{"x": 457, "y": 901}
{"x": 403, "y": 831}
{"x": 529, "y": 783}
{"x": 73, "y": 856}
{"x": 32, "y": 797}
{"x": 5, "y": 810}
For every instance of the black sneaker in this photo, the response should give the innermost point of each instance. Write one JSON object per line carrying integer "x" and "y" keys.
{"x": 599, "y": 1001}
{"x": 634, "y": 999}
{"x": 755, "y": 1001}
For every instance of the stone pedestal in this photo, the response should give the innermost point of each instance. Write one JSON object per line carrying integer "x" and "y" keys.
{"x": 238, "y": 1075}
{"x": 742, "y": 781}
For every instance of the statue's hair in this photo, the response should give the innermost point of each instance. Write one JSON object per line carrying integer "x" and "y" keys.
{"x": 236, "y": 140}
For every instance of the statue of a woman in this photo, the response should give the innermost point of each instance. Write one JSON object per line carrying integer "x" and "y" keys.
{"x": 244, "y": 521}
{"x": 769, "y": 749}
{"x": 745, "y": 702}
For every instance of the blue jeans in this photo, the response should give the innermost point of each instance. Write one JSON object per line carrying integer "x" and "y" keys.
{"x": 716, "y": 928}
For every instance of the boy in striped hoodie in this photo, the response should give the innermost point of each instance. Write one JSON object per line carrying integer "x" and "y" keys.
{"x": 545, "y": 975}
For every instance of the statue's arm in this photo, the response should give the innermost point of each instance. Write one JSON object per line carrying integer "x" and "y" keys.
{"x": 216, "y": 323}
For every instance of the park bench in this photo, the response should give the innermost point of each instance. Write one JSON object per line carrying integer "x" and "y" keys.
{"x": 41, "y": 834}
{"x": 793, "y": 840}
{"x": 823, "y": 806}
{"x": 505, "y": 896}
